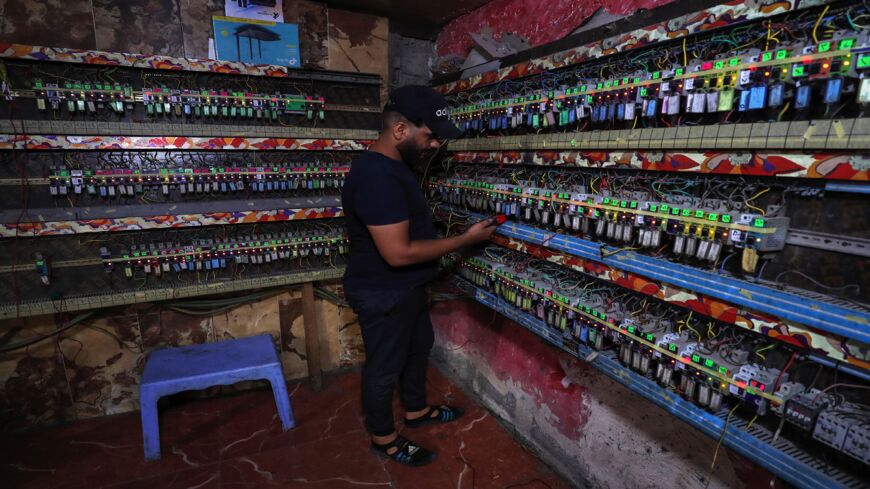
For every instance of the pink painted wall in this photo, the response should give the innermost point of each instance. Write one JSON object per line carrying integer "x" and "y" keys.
{"x": 540, "y": 22}
{"x": 586, "y": 426}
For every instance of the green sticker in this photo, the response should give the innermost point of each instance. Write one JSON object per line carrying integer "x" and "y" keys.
{"x": 758, "y": 222}
{"x": 726, "y": 218}
{"x": 767, "y": 56}
{"x": 864, "y": 61}
{"x": 699, "y": 214}
{"x": 798, "y": 70}
{"x": 824, "y": 46}
{"x": 782, "y": 54}
{"x": 719, "y": 65}
{"x": 696, "y": 358}
{"x": 709, "y": 363}
{"x": 733, "y": 61}
{"x": 846, "y": 44}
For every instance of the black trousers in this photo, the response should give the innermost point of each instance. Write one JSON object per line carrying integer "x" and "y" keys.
{"x": 397, "y": 335}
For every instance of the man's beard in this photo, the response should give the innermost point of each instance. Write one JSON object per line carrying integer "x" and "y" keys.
{"x": 413, "y": 155}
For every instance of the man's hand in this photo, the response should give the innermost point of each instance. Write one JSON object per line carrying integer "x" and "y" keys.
{"x": 479, "y": 232}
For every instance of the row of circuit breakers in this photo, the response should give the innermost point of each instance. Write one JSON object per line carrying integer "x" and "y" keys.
{"x": 119, "y": 182}
{"x": 695, "y": 232}
{"x": 704, "y": 370}
{"x": 81, "y": 97}
{"x": 155, "y": 259}
{"x": 829, "y": 72}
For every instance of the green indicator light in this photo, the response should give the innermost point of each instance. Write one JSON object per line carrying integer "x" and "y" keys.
{"x": 687, "y": 212}
{"x": 633, "y": 204}
{"x": 636, "y": 80}
{"x": 696, "y": 358}
{"x": 607, "y": 84}
{"x": 599, "y": 85}
{"x": 672, "y": 347}
{"x": 824, "y": 46}
{"x": 631, "y": 329}
{"x": 624, "y": 81}
{"x": 719, "y": 65}
{"x": 709, "y": 363}
{"x": 864, "y": 61}
{"x": 678, "y": 72}
{"x": 758, "y": 222}
{"x": 782, "y": 54}
{"x": 798, "y": 70}
{"x": 656, "y": 75}
{"x": 583, "y": 88}
{"x": 726, "y": 217}
{"x": 846, "y": 44}
{"x": 699, "y": 214}
{"x": 767, "y": 56}
{"x": 623, "y": 204}
{"x": 653, "y": 207}
{"x": 650, "y": 337}
{"x": 723, "y": 370}
{"x": 665, "y": 208}
{"x": 606, "y": 200}
{"x": 712, "y": 217}
{"x": 675, "y": 211}
{"x": 643, "y": 92}
{"x": 733, "y": 61}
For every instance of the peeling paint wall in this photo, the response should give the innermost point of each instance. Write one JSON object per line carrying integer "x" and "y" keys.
{"x": 93, "y": 369}
{"x": 539, "y": 22}
{"x": 182, "y": 27}
{"x": 594, "y": 431}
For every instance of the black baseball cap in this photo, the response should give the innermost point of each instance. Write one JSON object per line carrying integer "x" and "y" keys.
{"x": 421, "y": 104}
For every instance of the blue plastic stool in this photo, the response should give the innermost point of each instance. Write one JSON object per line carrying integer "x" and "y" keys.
{"x": 193, "y": 367}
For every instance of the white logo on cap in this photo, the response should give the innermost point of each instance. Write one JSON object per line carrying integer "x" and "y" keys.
{"x": 441, "y": 112}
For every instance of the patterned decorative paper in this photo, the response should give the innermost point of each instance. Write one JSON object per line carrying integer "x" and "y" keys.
{"x": 833, "y": 166}
{"x": 64, "y": 142}
{"x": 54, "y": 228}
{"x": 712, "y": 18}
{"x": 94, "y": 57}
{"x": 821, "y": 342}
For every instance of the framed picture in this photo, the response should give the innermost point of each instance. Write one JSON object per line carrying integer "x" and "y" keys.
{"x": 256, "y": 41}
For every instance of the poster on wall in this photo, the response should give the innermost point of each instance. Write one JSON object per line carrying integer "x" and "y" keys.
{"x": 272, "y": 10}
{"x": 256, "y": 41}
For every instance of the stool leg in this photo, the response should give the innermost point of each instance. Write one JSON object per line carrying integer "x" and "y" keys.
{"x": 150, "y": 424}
{"x": 282, "y": 400}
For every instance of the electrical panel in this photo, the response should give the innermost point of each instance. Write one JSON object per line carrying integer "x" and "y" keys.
{"x": 693, "y": 211}
{"x": 134, "y": 178}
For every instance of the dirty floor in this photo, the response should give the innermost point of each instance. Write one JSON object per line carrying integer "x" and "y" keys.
{"x": 237, "y": 442}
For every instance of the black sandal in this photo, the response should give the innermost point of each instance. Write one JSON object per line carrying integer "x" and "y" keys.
{"x": 445, "y": 414}
{"x": 407, "y": 452}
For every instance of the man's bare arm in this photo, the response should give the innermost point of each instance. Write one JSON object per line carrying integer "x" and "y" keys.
{"x": 397, "y": 249}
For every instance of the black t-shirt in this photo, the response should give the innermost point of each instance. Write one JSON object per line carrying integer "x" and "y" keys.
{"x": 379, "y": 191}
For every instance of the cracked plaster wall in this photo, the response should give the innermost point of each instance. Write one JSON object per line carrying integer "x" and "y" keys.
{"x": 593, "y": 431}
{"x": 93, "y": 369}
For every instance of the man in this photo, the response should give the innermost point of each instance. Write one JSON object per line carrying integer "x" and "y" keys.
{"x": 393, "y": 255}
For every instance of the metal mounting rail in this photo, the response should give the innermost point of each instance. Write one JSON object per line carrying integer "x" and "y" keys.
{"x": 811, "y": 312}
{"x": 125, "y": 297}
{"x": 780, "y": 457}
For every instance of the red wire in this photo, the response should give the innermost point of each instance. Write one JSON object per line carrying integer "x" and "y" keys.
{"x": 779, "y": 377}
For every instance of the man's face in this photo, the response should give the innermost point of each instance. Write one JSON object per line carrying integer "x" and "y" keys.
{"x": 418, "y": 145}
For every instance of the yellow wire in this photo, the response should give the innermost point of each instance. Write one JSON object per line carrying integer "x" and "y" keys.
{"x": 719, "y": 445}
{"x": 785, "y": 108}
{"x": 752, "y": 422}
{"x": 819, "y": 20}
{"x": 768, "y": 347}
{"x": 759, "y": 194}
{"x": 608, "y": 253}
{"x": 635, "y": 123}
{"x": 685, "y": 61}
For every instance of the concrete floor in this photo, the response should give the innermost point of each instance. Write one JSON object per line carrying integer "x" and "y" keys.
{"x": 237, "y": 442}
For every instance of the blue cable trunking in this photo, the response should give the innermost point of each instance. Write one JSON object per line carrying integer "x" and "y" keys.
{"x": 802, "y": 310}
{"x": 777, "y": 462}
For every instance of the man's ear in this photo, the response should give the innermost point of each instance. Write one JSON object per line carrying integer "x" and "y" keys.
{"x": 400, "y": 130}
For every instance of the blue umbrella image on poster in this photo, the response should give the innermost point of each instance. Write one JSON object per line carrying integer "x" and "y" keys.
{"x": 256, "y": 41}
